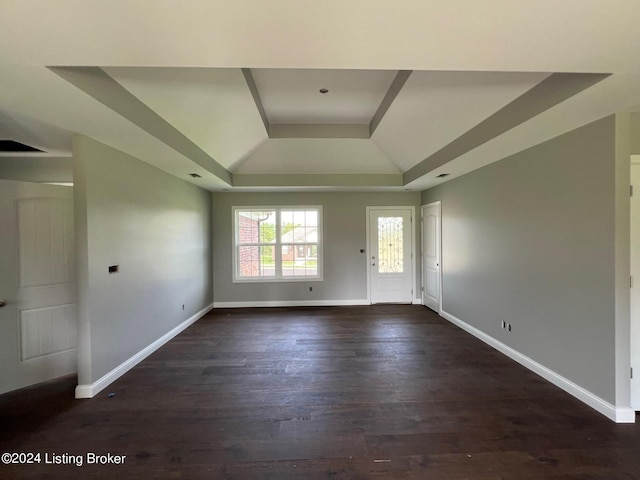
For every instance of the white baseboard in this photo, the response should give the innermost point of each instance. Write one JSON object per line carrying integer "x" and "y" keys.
{"x": 619, "y": 415}
{"x": 291, "y": 303}
{"x": 298, "y": 303}
{"x": 90, "y": 391}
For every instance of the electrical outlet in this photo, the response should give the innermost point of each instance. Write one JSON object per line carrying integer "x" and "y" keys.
{"x": 504, "y": 324}
{"x": 311, "y": 289}
{"x": 183, "y": 306}
{"x": 509, "y": 326}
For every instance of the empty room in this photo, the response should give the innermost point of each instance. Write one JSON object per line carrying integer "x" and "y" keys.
{"x": 291, "y": 240}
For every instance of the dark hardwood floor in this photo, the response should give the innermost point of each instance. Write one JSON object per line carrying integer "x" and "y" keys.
{"x": 381, "y": 392}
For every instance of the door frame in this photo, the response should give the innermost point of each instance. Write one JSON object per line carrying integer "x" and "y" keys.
{"x": 412, "y": 210}
{"x": 437, "y": 204}
{"x": 634, "y": 314}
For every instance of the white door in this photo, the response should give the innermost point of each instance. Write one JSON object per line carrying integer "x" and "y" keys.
{"x": 390, "y": 254}
{"x": 431, "y": 289}
{"x": 635, "y": 290}
{"x": 38, "y": 328}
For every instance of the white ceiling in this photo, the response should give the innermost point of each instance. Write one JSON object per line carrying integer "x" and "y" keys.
{"x": 188, "y": 68}
{"x": 434, "y": 108}
{"x": 212, "y": 107}
{"x": 293, "y": 96}
{"x": 317, "y": 156}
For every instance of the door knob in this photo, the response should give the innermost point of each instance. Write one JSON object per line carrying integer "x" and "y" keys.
{"x": 2, "y": 303}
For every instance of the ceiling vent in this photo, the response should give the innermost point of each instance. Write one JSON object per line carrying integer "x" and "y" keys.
{"x": 11, "y": 146}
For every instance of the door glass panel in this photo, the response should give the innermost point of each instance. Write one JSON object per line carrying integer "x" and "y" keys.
{"x": 390, "y": 242}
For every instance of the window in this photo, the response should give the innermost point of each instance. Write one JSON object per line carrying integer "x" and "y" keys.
{"x": 277, "y": 244}
{"x": 390, "y": 245}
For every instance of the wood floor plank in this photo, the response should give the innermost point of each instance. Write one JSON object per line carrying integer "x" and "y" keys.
{"x": 375, "y": 392}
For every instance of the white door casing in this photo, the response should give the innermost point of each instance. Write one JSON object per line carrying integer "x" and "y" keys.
{"x": 38, "y": 326}
{"x": 635, "y": 288}
{"x": 390, "y": 253}
{"x": 431, "y": 256}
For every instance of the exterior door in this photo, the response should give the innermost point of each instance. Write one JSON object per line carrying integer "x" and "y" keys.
{"x": 635, "y": 289}
{"x": 431, "y": 288}
{"x": 390, "y": 254}
{"x": 38, "y": 328}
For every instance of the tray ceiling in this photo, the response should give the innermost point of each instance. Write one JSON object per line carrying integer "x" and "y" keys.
{"x": 407, "y": 99}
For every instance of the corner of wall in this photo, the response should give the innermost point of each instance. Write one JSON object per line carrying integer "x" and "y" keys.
{"x": 82, "y": 259}
{"x": 622, "y": 259}
{"x": 122, "y": 209}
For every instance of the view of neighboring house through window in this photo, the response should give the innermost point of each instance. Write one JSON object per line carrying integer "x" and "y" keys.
{"x": 277, "y": 243}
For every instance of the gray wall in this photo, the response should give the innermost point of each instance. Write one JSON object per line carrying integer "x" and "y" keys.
{"x": 157, "y": 229}
{"x": 531, "y": 240}
{"x": 344, "y": 230}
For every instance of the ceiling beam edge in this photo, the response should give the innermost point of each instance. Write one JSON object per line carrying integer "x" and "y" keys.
{"x": 37, "y": 168}
{"x": 251, "y": 84}
{"x": 550, "y": 92}
{"x": 106, "y": 90}
{"x": 318, "y": 180}
{"x": 394, "y": 89}
{"x": 318, "y": 130}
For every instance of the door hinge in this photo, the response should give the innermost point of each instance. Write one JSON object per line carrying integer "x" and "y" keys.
{"x": 631, "y": 372}
{"x": 631, "y": 281}
{"x": 631, "y": 190}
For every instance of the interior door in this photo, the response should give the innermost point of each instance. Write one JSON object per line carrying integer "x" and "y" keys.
{"x": 431, "y": 256}
{"x": 38, "y": 328}
{"x": 635, "y": 289}
{"x": 390, "y": 255}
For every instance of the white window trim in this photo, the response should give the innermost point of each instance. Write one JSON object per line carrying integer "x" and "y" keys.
{"x": 278, "y": 250}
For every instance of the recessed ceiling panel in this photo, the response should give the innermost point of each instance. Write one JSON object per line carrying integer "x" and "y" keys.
{"x": 283, "y": 156}
{"x": 434, "y": 108}
{"x": 211, "y": 106}
{"x": 294, "y": 96}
